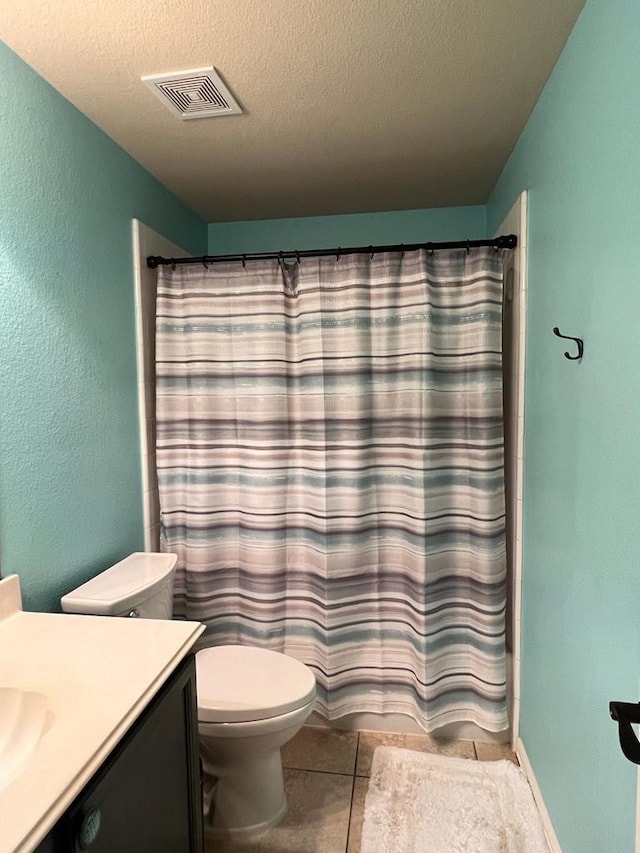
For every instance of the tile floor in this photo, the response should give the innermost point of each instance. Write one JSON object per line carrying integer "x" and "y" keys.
{"x": 326, "y": 775}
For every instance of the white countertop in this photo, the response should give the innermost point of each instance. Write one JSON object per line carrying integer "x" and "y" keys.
{"x": 98, "y": 674}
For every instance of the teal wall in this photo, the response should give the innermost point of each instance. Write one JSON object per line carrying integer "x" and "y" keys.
{"x": 325, "y": 232}
{"x": 69, "y": 467}
{"x": 70, "y": 485}
{"x": 579, "y": 158}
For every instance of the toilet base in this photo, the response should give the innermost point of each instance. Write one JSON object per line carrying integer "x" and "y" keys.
{"x": 242, "y": 797}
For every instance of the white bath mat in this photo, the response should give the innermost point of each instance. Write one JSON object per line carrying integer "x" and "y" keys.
{"x": 422, "y": 803}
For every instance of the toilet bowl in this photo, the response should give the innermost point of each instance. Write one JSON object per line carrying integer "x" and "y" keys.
{"x": 251, "y": 701}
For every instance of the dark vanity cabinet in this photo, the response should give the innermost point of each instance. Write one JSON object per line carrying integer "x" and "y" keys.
{"x": 146, "y": 797}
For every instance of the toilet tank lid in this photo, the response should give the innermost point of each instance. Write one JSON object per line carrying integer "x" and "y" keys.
{"x": 125, "y": 584}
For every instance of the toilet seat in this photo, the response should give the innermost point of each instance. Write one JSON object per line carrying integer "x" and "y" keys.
{"x": 237, "y": 684}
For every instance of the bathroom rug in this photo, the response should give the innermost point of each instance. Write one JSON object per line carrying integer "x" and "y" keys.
{"x": 422, "y": 803}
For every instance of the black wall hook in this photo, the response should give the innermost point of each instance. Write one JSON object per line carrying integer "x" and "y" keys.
{"x": 578, "y": 341}
{"x": 625, "y": 713}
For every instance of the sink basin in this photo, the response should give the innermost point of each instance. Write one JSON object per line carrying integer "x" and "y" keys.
{"x": 24, "y": 718}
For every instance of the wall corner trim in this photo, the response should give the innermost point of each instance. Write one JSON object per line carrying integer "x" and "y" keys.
{"x": 523, "y": 758}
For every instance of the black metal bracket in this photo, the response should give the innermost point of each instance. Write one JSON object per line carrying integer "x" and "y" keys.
{"x": 578, "y": 341}
{"x": 625, "y": 713}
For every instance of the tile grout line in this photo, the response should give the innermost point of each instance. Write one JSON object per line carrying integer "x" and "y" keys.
{"x": 353, "y": 793}
{"x": 355, "y": 763}
{"x": 309, "y": 770}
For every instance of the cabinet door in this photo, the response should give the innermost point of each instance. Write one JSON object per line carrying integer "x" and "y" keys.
{"x": 146, "y": 798}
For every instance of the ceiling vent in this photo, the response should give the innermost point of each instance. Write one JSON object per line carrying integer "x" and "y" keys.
{"x": 199, "y": 93}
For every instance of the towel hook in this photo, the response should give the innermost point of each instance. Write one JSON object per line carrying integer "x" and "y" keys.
{"x": 578, "y": 341}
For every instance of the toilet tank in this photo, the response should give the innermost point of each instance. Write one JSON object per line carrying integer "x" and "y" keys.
{"x": 139, "y": 585}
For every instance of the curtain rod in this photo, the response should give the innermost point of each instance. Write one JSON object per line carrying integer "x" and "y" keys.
{"x": 508, "y": 241}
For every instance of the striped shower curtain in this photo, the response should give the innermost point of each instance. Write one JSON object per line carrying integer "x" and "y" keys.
{"x": 330, "y": 468}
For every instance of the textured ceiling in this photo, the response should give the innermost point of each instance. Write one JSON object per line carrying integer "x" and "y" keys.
{"x": 350, "y": 105}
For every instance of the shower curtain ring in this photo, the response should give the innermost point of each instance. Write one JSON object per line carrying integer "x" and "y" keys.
{"x": 468, "y": 247}
{"x": 205, "y": 264}
{"x": 297, "y": 256}
{"x": 338, "y": 253}
{"x": 244, "y": 261}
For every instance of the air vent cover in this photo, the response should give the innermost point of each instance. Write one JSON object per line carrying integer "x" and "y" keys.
{"x": 199, "y": 93}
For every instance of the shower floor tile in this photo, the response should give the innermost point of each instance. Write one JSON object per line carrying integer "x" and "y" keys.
{"x": 495, "y": 752}
{"x": 317, "y": 818}
{"x": 368, "y": 741}
{"x": 317, "y": 748}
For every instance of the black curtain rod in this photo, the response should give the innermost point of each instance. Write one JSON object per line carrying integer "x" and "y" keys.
{"x": 508, "y": 241}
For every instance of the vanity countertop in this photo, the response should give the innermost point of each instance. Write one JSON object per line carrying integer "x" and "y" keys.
{"x": 98, "y": 674}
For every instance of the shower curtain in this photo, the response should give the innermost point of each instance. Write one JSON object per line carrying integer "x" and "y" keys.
{"x": 330, "y": 468}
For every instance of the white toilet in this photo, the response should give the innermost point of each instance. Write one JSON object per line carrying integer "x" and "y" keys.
{"x": 251, "y": 701}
